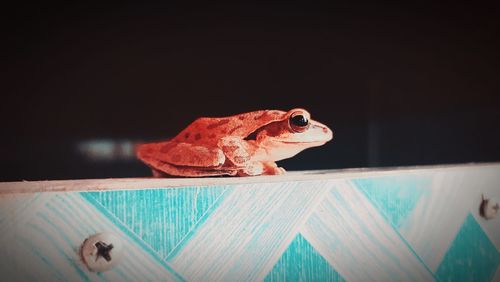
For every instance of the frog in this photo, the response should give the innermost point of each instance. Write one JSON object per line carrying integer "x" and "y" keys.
{"x": 247, "y": 144}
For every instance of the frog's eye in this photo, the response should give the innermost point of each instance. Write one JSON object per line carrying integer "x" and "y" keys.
{"x": 298, "y": 122}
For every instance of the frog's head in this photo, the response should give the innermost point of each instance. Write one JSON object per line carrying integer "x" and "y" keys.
{"x": 294, "y": 132}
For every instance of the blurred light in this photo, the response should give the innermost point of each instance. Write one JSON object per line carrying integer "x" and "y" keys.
{"x": 107, "y": 150}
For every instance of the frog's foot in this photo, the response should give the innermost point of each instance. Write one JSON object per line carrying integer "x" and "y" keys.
{"x": 259, "y": 168}
{"x": 181, "y": 159}
{"x": 180, "y": 155}
{"x": 252, "y": 169}
{"x": 271, "y": 168}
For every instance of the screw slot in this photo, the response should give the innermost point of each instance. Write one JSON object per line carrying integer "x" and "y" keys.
{"x": 103, "y": 250}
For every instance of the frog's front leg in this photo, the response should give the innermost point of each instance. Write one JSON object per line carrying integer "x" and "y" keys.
{"x": 244, "y": 155}
{"x": 238, "y": 151}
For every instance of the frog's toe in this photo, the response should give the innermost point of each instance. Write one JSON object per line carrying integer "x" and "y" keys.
{"x": 272, "y": 169}
{"x": 252, "y": 169}
{"x": 275, "y": 171}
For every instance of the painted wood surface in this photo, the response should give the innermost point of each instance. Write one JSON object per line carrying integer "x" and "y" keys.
{"x": 419, "y": 224}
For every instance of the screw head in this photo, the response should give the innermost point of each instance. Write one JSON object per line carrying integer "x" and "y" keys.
{"x": 489, "y": 208}
{"x": 101, "y": 252}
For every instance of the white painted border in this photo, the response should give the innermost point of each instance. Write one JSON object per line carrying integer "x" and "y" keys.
{"x": 150, "y": 183}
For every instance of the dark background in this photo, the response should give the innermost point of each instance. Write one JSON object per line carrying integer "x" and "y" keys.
{"x": 398, "y": 85}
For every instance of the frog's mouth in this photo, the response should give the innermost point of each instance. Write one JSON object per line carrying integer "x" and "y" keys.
{"x": 310, "y": 143}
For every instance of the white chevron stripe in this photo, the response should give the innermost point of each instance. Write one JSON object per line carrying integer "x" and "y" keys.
{"x": 434, "y": 222}
{"x": 248, "y": 233}
{"x": 17, "y": 207}
{"x": 357, "y": 241}
{"x": 15, "y": 211}
{"x": 47, "y": 242}
{"x": 440, "y": 213}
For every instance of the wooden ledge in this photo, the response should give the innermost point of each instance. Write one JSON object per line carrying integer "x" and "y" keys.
{"x": 149, "y": 183}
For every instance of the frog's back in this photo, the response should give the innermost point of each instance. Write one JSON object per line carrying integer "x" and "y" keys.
{"x": 209, "y": 131}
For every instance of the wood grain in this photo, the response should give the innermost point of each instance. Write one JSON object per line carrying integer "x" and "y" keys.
{"x": 148, "y": 182}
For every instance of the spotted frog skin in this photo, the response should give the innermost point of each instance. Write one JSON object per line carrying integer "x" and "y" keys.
{"x": 240, "y": 145}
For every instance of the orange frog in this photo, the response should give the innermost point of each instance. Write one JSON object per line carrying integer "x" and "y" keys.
{"x": 244, "y": 144}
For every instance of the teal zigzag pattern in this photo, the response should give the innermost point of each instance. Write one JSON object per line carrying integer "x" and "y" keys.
{"x": 165, "y": 218}
{"x": 394, "y": 196}
{"x": 471, "y": 257}
{"x": 301, "y": 262}
{"x": 161, "y": 217}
